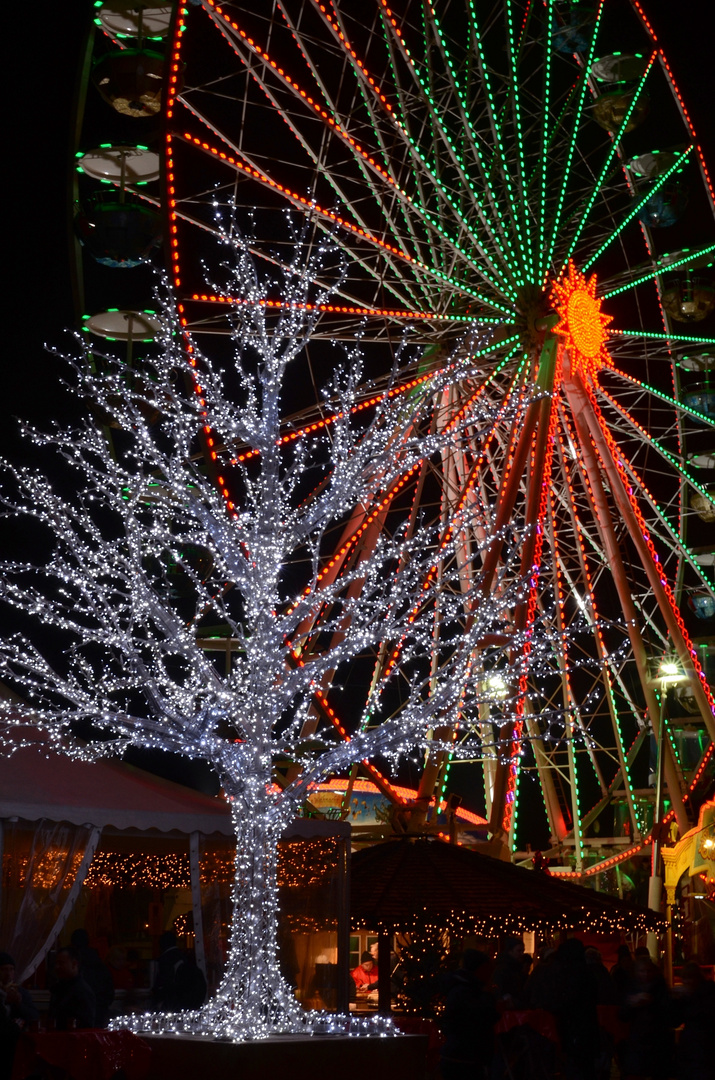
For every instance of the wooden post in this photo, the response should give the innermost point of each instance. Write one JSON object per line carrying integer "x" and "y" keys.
{"x": 384, "y": 996}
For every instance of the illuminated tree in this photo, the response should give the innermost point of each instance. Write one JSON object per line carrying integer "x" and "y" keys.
{"x": 209, "y": 516}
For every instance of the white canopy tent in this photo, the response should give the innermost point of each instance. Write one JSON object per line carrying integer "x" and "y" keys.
{"x": 37, "y": 783}
{"x": 64, "y": 805}
{"x": 67, "y": 804}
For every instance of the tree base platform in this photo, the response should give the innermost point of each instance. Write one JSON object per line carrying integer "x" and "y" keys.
{"x": 295, "y": 1057}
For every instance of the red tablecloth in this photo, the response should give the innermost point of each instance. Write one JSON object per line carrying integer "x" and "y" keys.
{"x": 415, "y": 1025}
{"x": 83, "y": 1055}
{"x": 538, "y": 1019}
{"x": 610, "y": 1021}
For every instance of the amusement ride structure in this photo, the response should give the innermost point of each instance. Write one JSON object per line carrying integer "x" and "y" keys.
{"x": 523, "y": 172}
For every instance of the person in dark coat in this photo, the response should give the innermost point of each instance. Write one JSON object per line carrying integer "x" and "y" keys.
{"x": 96, "y": 974}
{"x": 622, "y": 973}
{"x": 468, "y": 1022}
{"x": 605, "y": 995}
{"x": 18, "y": 1003}
{"x": 179, "y": 983}
{"x": 540, "y": 991}
{"x": 510, "y": 973}
{"x": 72, "y": 1003}
{"x": 576, "y": 1010}
{"x": 648, "y": 1050}
{"x": 17, "y": 1010}
{"x": 694, "y": 1008}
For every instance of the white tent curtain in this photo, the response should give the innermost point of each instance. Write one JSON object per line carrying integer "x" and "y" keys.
{"x": 194, "y": 852}
{"x": 44, "y": 866}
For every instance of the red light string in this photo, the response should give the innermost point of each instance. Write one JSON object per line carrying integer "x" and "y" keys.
{"x": 518, "y": 727}
{"x": 342, "y": 309}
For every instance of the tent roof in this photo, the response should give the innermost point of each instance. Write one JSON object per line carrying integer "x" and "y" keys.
{"x": 401, "y": 882}
{"x": 37, "y": 783}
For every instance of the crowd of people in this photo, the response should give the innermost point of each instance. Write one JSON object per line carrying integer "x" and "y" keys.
{"x": 625, "y": 1017}
{"x": 598, "y": 1018}
{"x": 82, "y": 990}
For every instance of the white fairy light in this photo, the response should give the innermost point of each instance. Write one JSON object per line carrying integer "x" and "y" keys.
{"x": 152, "y": 548}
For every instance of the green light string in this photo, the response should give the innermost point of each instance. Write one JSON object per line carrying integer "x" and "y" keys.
{"x": 367, "y": 99}
{"x": 386, "y": 158}
{"x": 523, "y": 234}
{"x": 663, "y": 397}
{"x": 674, "y": 463}
{"x": 554, "y": 130}
{"x": 508, "y": 257}
{"x": 638, "y": 207}
{"x": 647, "y": 336}
{"x": 555, "y": 230}
{"x": 662, "y": 269}
{"x": 615, "y": 142}
{"x": 454, "y": 80}
{"x": 548, "y": 57}
{"x": 516, "y": 99}
{"x": 497, "y": 285}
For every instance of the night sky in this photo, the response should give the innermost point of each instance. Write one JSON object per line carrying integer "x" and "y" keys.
{"x": 41, "y": 78}
{"x": 41, "y": 88}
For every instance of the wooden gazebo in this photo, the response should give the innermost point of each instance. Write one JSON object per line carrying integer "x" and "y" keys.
{"x": 402, "y": 884}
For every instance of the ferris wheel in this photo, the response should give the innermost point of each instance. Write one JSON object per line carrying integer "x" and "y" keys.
{"x": 526, "y": 169}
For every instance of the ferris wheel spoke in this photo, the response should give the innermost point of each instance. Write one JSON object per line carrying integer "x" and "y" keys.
{"x": 543, "y": 257}
{"x": 422, "y": 171}
{"x": 669, "y": 534}
{"x": 644, "y": 335}
{"x": 661, "y": 590}
{"x": 638, "y": 206}
{"x": 249, "y": 166}
{"x": 381, "y": 184}
{"x": 686, "y": 261}
{"x": 366, "y": 83}
{"x": 497, "y": 230}
{"x": 570, "y": 700}
{"x": 476, "y": 141}
{"x": 671, "y": 459}
{"x": 571, "y": 147}
{"x": 584, "y": 214}
{"x": 591, "y": 477}
{"x": 590, "y": 613}
{"x": 517, "y": 212}
{"x": 327, "y": 219}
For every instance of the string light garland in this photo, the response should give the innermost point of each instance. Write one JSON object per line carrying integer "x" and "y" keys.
{"x": 300, "y": 865}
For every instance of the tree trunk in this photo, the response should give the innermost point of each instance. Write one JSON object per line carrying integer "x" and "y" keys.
{"x": 253, "y": 1000}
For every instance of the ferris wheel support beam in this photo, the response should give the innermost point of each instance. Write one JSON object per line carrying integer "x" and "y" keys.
{"x": 536, "y": 420}
{"x": 593, "y": 617}
{"x": 554, "y": 813}
{"x": 602, "y": 515}
{"x": 537, "y": 413}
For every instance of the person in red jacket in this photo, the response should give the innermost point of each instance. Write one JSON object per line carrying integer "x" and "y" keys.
{"x": 365, "y": 975}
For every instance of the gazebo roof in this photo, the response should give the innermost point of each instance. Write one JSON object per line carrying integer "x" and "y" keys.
{"x": 403, "y": 883}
